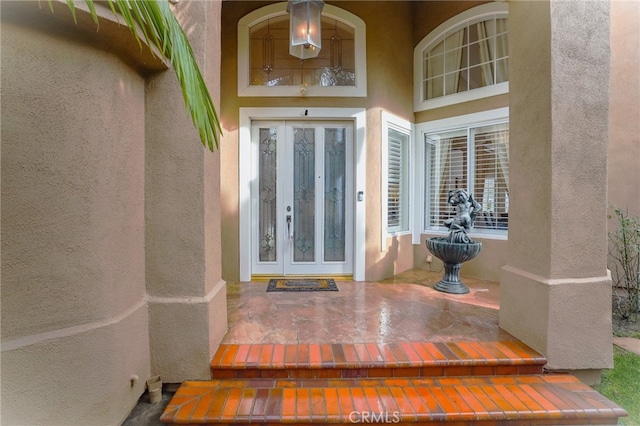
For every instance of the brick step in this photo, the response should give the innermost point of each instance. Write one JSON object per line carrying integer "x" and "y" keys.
{"x": 483, "y": 400}
{"x": 359, "y": 360}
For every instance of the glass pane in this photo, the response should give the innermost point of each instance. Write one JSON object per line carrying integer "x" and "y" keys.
{"x": 501, "y": 47}
{"x": 304, "y": 196}
{"x": 453, "y": 60}
{"x": 474, "y": 54}
{"x": 454, "y": 40}
{"x": 435, "y": 66}
{"x": 488, "y": 30}
{"x": 491, "y": 178}
{"x": 437, "y": 50}
{"x": 501, "y": 25}
{"x": 334, "y": 195}
{"x": 463, "y": 80}
{"x": 452, "y": 82}
{"x": 267, "y": 181}
{"x": 270, "y": 63}
{"x": 447, "y": 171}
{"x": 430, "y": 166}
{"x": 476, "y": 77}
{"x": 434, "y": 87}
{"x": 502, "y": 70}
{"x": 473, "y": 35}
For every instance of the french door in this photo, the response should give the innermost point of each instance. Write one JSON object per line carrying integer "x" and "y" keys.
{"x": 302, "y": 198}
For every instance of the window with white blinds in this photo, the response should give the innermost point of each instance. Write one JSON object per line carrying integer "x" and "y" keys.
{"x": 475, "y": 158}
{"x": 397, "y": 181}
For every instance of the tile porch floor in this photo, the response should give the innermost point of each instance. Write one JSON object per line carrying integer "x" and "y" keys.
{"x": 402, "y": 308}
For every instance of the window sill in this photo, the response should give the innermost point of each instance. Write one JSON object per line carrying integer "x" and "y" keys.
{"x": 397, "y": 233}
{"x": 458, "y": 98}
{"x": 302, "y": 91}
{"x": 477, "y": 235}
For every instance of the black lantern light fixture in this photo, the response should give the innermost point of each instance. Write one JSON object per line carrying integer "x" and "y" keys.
{"x": 305, "y": 23}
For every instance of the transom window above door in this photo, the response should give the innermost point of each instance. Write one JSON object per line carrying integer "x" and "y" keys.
{"x": 265, "y": 67}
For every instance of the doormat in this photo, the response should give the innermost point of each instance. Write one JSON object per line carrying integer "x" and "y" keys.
{"x": 302, "y": 285}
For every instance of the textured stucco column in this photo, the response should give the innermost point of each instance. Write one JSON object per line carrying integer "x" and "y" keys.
{"x": 187, "y": 296}
{"x": 555, "y": 289}
{"x": 75, "y": 342}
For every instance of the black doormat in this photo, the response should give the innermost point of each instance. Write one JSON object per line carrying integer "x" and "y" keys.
{"x": 282, "y": 284}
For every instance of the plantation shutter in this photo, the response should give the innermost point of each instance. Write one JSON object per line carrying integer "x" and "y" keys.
{"x": 397, "y": 182}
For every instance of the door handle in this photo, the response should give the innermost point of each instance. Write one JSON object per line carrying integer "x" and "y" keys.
{"x": 289, "y": 228}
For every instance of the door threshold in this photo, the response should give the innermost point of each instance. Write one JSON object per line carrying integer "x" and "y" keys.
{"x": 267, "y": 277}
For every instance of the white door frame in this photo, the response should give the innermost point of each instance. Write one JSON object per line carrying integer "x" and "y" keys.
{"x": 284, "y": 262}
{"x": 247, "y": 115}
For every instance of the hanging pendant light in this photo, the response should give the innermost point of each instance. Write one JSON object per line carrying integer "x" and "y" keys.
{"x": 305, "y": 23}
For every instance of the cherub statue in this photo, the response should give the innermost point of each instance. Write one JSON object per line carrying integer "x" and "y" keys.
{"x": 466, "y": 211}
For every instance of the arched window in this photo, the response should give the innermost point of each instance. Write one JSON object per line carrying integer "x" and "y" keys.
{"x": 463, "y": 59}
{"x": 265, "y": 67}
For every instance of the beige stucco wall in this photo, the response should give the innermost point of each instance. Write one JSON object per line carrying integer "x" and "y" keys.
{"x": 74, "y": 314}
{"x": 389, "y": 73}
{"x": 624, "y": 109}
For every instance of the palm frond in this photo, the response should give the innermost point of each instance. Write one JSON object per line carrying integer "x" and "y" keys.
{"x": 161, "y": 28}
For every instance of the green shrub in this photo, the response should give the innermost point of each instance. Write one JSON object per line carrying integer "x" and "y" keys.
{"x": 624, "y": 263}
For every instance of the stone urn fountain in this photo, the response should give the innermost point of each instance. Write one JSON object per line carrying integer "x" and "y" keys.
{"x": 456, "y": 248}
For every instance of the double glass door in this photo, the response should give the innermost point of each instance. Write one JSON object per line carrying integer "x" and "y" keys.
{"x": 302, "y": 198}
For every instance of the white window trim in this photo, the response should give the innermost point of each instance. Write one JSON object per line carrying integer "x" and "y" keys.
{"x": 359, "y": 118}
{"x": 474, "y": 14}
{"x": 277, "y": 9}
{"x": 390, "y": 121}
{"x": 483, "y": 118}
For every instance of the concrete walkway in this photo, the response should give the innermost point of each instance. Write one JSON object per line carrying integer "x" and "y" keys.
{"x": 628, "y": 343}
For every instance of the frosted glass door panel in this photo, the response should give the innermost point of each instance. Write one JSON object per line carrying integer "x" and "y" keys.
{"x": 267, "y": 201}
{"x": 334, "y": 194}
{"x": 304, "y": 195}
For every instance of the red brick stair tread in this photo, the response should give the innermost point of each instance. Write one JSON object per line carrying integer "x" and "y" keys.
{"x": 541, "y": 399}
{"x": 373, "y": 360}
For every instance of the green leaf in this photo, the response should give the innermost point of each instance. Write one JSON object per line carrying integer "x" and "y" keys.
{"x": 72, "y": 7}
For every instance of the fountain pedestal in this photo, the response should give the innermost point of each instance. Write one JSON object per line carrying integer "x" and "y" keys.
{"x": 452, "y": 255}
